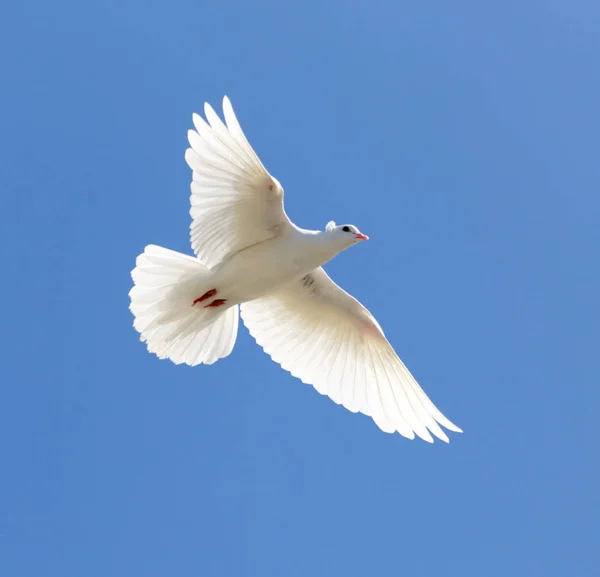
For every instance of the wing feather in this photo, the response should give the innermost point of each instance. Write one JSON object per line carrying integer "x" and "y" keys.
{"x": 235, "y": 202}
{"x": 326, "y": 338}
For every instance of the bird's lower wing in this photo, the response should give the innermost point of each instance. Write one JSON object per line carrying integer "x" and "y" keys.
{"x": 326, "y": 338}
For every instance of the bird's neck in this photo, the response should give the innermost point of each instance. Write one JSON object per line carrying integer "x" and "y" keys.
{"x": 321, "y": 247}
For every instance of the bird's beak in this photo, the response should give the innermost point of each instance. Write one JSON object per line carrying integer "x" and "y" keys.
{"x": 361, "y": 236}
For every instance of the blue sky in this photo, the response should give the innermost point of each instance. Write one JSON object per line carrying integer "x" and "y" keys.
{"x": 461, "y": 137}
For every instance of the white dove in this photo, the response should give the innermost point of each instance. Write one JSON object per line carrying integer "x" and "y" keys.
{"x": 250, "y": 254}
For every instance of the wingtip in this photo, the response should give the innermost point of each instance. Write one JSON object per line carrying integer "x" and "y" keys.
{"x": 427, "y": 439}
{"x": 228, "y": 112}
{"x": 453, "y": 428}
{"x": 208, "y": 109}
{"x": 445, "y": 438}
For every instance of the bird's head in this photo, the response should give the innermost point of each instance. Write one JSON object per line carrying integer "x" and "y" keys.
{"x": 346, "y": 234}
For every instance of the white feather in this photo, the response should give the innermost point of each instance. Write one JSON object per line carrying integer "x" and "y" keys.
{"x": 235, "y": 202}
{"x": 326, "y": 338}
{"x": 165, "y": 285}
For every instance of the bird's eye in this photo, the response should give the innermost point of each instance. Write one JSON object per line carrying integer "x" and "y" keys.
{"x": 346, "y": 229}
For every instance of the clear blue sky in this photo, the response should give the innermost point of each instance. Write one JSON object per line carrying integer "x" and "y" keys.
{"x": 462, "y": 137}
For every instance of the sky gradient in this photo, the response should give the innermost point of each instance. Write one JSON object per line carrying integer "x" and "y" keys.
{"x": 461, "y": 137}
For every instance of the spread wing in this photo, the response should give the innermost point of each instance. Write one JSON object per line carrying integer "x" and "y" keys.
{"x": 326, "y": 338}
{"x": 236, "y": 203}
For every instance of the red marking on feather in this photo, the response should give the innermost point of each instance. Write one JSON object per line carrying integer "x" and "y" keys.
{"x": 271, "y": 186}
{"x": 215, "y": 303}
{"x": 206, "y": 295}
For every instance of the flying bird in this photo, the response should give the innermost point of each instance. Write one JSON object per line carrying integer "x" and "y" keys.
{"x": 251, "y": 258}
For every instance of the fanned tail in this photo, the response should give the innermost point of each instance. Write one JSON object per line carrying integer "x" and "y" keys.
{"x": 165, "y": 285}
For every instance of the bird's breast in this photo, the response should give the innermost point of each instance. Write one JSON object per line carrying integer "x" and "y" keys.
{"x": 260, "y": 269}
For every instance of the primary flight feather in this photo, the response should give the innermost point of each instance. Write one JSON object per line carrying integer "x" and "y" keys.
{"x": 251, "y": 256}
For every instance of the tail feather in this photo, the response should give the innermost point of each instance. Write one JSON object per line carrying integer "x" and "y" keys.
{"x": 165, "y": 285}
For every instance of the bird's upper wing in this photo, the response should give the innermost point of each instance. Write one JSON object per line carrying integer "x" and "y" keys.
{"x": 236, "y": 203}
{"x": 325, "y": 337}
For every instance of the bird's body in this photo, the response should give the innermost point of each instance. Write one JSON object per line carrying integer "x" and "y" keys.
{"x": 264, "y": 267}
{"x": 250, "y": 255}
